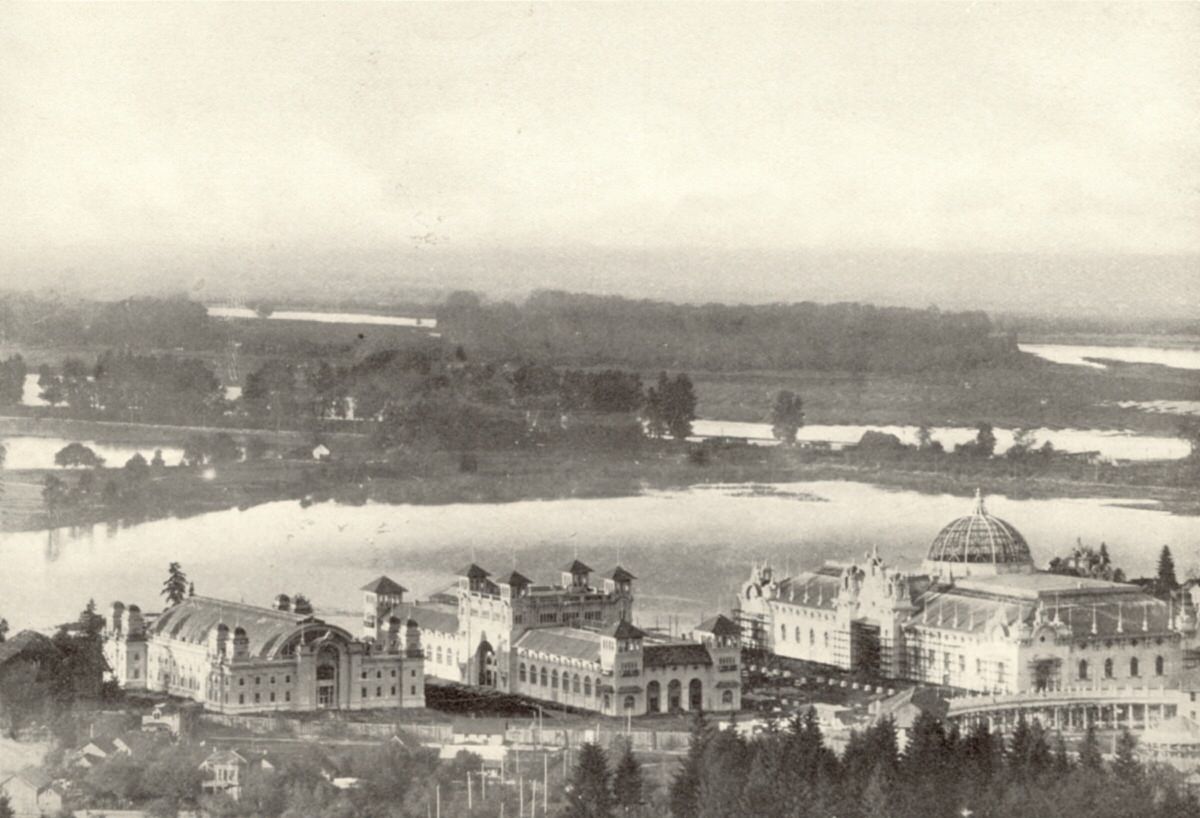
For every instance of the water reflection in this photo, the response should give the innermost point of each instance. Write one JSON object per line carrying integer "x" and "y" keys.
{"x": 690, "y": 549}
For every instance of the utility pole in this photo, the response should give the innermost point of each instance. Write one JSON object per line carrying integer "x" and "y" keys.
{"x": 437, "y": 793}
{"x": 470, "y": 800}
{"x": 545, "y": 783}
{"x": 520, "y": 797}
{"x": 533, "y": 798}
{"x": 482, "y": 782}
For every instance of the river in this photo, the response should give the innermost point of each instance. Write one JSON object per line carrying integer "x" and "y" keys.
{"x": 689, "y": 549}
{"x": 325, "y": 317}
{"x": 29, "y": 452}
{"x": 1078, "y": 355}
{"x": 1111, "y": 444}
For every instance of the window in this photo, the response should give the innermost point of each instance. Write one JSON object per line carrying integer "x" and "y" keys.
{"x": 533, "y": 675}
{"x": 287, "y": 680}
{"x": 826, "y": 638}
{"x": 522, "y": 671}
{"x": 962, "y": 663}
{"x": 241, "y": 681}
{"x": 1133, "y": 666}
{"x": 378, "y": 691}
{"x": 545, "y": 678}
{"x": 439, "y": 654}
{"x": 587, "y": 685}
{"x": 1083, "y": 669}
{"x": 412, "y": 691}
{"x": 272, "y": 680}
{"x": 783, "y": 633}
{"x": 727, "y": 697}
{"x": 241, "y": 698}
{"x": 812, "y": 637}
{"x": 364, "y": 692}
{"x": 554, "y": 680}
{"x": 287, "y": 695}
{"x": 379, "y": 674}
{"x": 1159, "y": 666}
{"x": 364, "y": 674}
{"x": 272, "y": 695}
{"x": 629, "y": 702}
{"x": 393, "y": 690}
{"x": 797, "y": 634}
{"x": 393, "y": 673}
{"x": 257, "y": 698}
{"x": 575, "y": 683}
{"x": 1108, "y": 669}
{"x": 258, "y": 679}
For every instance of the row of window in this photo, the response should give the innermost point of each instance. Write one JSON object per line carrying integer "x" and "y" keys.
{"x": 570, "y": 681}
{"x": 1160, "y": 667}
{"x": 378, "y": 674}
{"x": 812, "y": 635}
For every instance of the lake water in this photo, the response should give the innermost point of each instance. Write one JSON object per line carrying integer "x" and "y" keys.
{"x": 1114, "y": 444}
{"x": 690, "y": 549}
{"x": 28, "y": 452}
{"x": 325, "y": 317}
{"x": 1164, "y": 407}
{"x": 1077, "y": 354}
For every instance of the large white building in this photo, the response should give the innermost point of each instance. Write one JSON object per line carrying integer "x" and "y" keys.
{"x": 572, "y": 644}
{"x": 232, "y": 657}
{"x": 980, "y": 617}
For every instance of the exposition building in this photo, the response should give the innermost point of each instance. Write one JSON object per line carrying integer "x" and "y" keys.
{"x": 981, "y": 618}
{"x": 572, "y": 644}
{"x": 232, "y": 657}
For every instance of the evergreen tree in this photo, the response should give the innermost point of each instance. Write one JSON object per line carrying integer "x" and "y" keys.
{"x": 627, "y": 782}
{"x": 176, "y": 585}
{"x": 1125, "y": 762}
{"x": 1166, "y": 573}
{"x": 6, "y": 810}
{"x": 588, "y": 793}
{"x": 685, "y": 787}
{"x": 1062, "y": 762}
{"x": 724, "y": 774}
{"x": 787, "y": 416}
{"x": 876, "y": 802}
{"x": 1090, "y": 757}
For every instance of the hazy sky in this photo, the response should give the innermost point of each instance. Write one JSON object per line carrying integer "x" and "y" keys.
{"x": 129, "y": 131}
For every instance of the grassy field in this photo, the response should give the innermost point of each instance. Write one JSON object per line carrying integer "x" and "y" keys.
{"x": 1037, "y": 394}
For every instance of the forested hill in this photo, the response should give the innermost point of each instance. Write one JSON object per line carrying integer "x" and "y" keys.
{"x": 584, "y": 330}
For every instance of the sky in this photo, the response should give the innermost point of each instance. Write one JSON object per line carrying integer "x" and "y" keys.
{"x": 214, "y": 144}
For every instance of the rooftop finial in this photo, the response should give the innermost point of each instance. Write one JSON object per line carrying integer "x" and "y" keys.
{"x": 979, "y": 507}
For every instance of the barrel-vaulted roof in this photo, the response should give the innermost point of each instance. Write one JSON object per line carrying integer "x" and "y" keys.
{"x": 267, "y": 629}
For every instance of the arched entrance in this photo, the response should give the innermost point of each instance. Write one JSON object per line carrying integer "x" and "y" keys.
{"x": 327, "y": 677}
{"x": 485, "y": 661}
{"x": 653, "y": 697}
{"x": 695, "y": 695}
{"x": 674, "y": 696}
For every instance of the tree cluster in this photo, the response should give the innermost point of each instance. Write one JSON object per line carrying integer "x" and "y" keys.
{"x": 1085, "y": 561}
{"x": 12, "y": 379}
{"x": 134, "y": 387}
{"x": 788, "y": 772}
{"x": 567, "y": 329}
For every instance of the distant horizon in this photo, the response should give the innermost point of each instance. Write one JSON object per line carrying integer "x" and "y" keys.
{"x": 1124, "y": 287}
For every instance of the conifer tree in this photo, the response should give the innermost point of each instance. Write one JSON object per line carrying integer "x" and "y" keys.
{"x": 588, "y": 793}
{"x": 1089, "y": 752}
{"x": 1125, "y": 762}
{"x": 685, "y": 787}
{"x": 175, "y": 587}
{"x": 875, "y": 800}
{"x": 627, "y": 782}
{"x": 1062, "y": 762}
{"x": 1166, "y": 572}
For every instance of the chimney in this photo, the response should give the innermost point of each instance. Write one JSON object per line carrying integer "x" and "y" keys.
{"x": 412, "y": 640}
{"x": 134, "y": 627}
{"x": 241, "y": 643}
{"x": 393, "y": 640}
{"x": 116, "y": 624}
{"x": 283, "y": 602}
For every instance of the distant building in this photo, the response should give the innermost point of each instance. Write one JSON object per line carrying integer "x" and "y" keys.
{"x": 571, "y": 644}
{"x": 32, "y": 794}
{"x": 980, "y": 617}
{"x": 232, "y": 657}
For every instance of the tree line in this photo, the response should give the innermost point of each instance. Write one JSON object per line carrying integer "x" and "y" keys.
{"x": 569, "y": 329}
{"x": 788, "y": 771}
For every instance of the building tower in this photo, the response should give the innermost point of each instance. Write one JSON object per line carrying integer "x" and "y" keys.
{"x": 380, "y": 596}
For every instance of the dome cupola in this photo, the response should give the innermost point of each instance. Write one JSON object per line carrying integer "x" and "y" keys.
{"x": 978, "y": 545}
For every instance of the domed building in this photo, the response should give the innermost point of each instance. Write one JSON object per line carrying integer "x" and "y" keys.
{"x": 978, "y": 545}
{"x": 981, "y": 618}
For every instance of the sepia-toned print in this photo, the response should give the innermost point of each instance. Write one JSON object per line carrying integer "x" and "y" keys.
{"x": 663, "y": 410}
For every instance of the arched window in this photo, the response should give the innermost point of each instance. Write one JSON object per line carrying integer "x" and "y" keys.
{"x": 522, "y": 671}
{"x": 1159, "y": 666}
{"x": 533, "y": 674}
{"x": 826, "y": 638}
{"x": 1083, "y": 669}
{"x": 783, "y": 633}
{"x": 653, "y": 697}
{"x": 812, "y": 637}
{"x": 797, "y": 634}
{"x": 554, "y": 680}
{"x": 545, "y": 678}
{"x": 587, "y": 685}
{"x": 575, "y": 683}
{"x": 439, "y": 654}
{"x": 629, "y": 702}
{"x": 1133, "y": 666}
{"x": 727, "y": 697}
{"x": 1108, "y": 669}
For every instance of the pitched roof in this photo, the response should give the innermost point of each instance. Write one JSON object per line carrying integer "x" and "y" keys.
{"x": 384, "y": 585}
{"x": 573, "y": 643}
{"x": 428, "y": 617}
{"x": 26, "y": 643}
{"x": 35, "y": 777}
{"x": 623, "y": 630}
{"x": 719, "y": 625}
{"x": 619, "y": 574}
{"x": 516, "y": 578}
{"x": 473, "y": 571}
{"x": 675, "y": 653}
{"x": 577, "y": 567}
{"x": 222, "y": 755}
